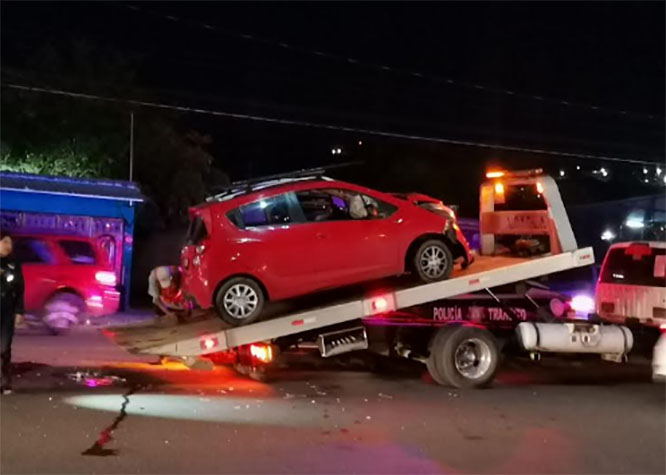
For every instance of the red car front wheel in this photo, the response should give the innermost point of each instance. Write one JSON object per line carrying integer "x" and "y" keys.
{"x": 433, "y": 261}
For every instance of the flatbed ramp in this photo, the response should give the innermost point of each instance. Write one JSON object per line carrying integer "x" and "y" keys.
{"x": 211, "y": 335}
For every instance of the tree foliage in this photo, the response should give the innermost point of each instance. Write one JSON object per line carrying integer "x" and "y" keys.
{"x": 56, "y": 135}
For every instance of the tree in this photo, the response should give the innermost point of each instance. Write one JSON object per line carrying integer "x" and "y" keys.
{"x": 57, "y": 135}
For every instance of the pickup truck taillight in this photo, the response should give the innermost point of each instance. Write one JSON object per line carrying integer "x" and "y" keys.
{"x": 105, "y": 277}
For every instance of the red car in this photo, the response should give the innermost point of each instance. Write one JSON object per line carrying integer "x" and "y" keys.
{"x": 292, "y": 237}
{"x": 66, "y": 277}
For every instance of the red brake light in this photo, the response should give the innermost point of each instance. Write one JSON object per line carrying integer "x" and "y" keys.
{"x": 379, "y": 304}
{"x": 105, "y": 277}
{"x": 638, "y": 251}
{"x": 263, "y": 353}
{"x": 495, "y": 174}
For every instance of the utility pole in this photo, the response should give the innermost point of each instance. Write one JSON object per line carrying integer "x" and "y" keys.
{"x": 131, "y": 147}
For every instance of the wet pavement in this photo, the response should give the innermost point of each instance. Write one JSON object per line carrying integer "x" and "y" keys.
{"x": 84, "y": 406}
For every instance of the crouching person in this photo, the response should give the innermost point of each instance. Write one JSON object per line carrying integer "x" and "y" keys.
{"x": 164, "y": 286}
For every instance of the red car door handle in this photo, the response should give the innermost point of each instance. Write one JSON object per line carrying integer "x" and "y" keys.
{"x": 322, "y": 236}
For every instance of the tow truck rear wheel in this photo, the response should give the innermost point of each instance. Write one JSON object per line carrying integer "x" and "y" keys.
{"x": 463, "y": 357}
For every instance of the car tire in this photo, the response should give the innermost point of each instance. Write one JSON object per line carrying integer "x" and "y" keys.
{"x": 433, "y": 261}
{"x": 62, "y": 312}
{"x": 239, "y": 301}
{"x": 463, "y": 357}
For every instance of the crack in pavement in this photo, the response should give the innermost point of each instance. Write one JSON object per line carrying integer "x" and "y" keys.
{"x": 97, "y": 449}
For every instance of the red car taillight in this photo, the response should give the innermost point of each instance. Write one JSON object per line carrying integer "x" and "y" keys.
{"x": 105, "y": 277}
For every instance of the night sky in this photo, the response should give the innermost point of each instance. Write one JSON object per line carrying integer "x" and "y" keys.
{"x": 425, "y": 69}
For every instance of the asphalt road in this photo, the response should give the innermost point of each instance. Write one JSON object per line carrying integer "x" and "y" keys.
{"x": 84, "y": 406}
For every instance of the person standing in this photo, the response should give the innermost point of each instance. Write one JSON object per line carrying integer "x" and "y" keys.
{"x": 11, "y": 306}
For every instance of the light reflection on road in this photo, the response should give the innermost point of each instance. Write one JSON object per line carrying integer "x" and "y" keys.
{"x": 214, "y": 409}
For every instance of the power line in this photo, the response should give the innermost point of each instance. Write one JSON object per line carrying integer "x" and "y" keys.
{"x": 317, "y": 125}
{"x": 393, "y": 69}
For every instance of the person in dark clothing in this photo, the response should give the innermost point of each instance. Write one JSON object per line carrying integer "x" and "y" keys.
{"x": 11, "y": 305}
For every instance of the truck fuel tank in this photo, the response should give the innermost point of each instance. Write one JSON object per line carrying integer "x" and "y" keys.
{"x": 575, "y": 337}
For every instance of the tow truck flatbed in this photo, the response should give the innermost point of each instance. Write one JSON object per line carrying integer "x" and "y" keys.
{"x": 287, "y": 318}
{"x": 464, "y": 352}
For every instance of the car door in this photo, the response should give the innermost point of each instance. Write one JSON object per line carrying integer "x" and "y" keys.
{"x": 275, "y": 246}
{"x": 80, "y": 264}
{"x": 346, "y": 248}
{"x": 39, "y": 269}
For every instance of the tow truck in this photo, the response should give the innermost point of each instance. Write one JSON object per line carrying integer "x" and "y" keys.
{"x": 460, "y": 350}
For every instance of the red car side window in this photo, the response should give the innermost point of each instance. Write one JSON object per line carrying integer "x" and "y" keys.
{"x": 323, "y": 205}
{"x": 266, "y": 212}
{"x": 79, "y": 252}
{"x": 32, "y": 251}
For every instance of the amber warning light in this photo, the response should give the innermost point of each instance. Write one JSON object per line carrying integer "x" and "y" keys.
{"x": 499, "y": 193}
{"x": 263, "y": 353}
